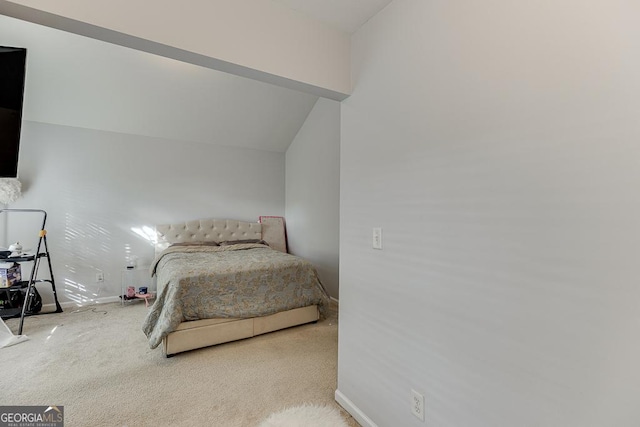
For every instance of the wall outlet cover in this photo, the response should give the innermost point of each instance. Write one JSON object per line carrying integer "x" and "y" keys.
{"x": 417, "y": 404}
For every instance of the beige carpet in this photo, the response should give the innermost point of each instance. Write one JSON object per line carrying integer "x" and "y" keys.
{"x": 97, "y": 363}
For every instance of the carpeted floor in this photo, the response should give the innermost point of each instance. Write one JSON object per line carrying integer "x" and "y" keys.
{"x": 96, "y": 362}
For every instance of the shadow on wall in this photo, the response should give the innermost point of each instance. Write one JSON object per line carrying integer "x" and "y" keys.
{"x": 85, "y": 247}
{"x": 83, "y": 244}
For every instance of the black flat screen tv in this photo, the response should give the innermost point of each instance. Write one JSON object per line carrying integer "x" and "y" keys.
{"x": 12, "y": 74}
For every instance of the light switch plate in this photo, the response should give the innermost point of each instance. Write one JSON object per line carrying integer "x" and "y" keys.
{"x": 377, "y": 238}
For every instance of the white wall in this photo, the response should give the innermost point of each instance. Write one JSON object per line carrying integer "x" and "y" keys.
{"x": 496, "y": 143}
{"x": 259, "y": 39}
{"x": 312, "y": 205}
{"x": 97, "y": 186}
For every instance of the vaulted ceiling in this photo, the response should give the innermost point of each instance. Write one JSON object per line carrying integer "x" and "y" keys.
{"x": 82, "y": 82}
{"x": 346, "y": 15}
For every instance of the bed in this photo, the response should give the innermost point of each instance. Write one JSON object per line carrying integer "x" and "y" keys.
{"x": 219, "y": 281}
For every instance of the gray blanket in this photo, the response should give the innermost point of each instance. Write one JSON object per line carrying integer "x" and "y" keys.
{"x": 237, "y": 281}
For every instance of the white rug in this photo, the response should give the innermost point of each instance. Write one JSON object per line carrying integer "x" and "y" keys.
{"x": 306, "y": 416}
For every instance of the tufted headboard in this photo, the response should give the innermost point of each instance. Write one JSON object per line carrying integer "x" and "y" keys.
{"x": 206, "y": 230}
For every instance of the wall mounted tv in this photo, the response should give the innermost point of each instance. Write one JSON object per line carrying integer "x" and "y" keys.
{"x": 12, "y": 73}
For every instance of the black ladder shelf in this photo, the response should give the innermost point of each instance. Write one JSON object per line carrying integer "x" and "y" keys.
{"x": 42, "y": 251}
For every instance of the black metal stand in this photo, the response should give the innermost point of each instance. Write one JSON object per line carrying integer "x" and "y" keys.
{"x": 42, "y": 251}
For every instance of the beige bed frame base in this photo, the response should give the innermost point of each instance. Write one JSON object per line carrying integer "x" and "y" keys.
{"x": 208, "y": 332}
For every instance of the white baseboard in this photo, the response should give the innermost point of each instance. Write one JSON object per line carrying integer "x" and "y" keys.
{"x": 71, "y": 304}
{"x": 352, "y": 409}
{"x": 335, "y": 300}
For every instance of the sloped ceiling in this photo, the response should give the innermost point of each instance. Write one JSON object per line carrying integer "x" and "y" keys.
{"x": 77, "y": 81}
{"x": 82, "y": 82}
{"x": 346, "y": 15}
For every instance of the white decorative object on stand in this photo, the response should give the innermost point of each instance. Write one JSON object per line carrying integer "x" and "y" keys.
{"x": 16, "y": 247}
{"x": 10, "y": 190}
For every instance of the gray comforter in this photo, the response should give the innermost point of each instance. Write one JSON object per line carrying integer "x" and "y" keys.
{"x": 236, "y": 281}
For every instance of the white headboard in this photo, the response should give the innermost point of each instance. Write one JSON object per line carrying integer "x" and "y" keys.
{"x": 206, "y": 230}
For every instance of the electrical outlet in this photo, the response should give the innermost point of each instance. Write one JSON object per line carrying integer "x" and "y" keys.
{"x": 377, "y": 238}
{"x": 100, "y": 277}
{"x": 417, "y": 404}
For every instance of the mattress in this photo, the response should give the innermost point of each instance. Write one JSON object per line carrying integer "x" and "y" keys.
{"x": 235, "y": 281}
